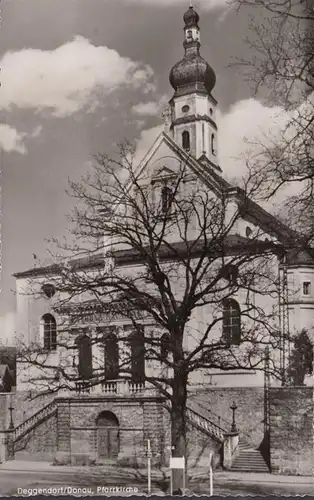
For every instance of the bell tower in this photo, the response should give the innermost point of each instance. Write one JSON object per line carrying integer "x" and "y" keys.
{"x": 193, "y": 108}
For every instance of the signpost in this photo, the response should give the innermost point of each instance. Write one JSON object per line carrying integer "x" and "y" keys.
{"x": 177, "y": 463}
{"x": 210, "y": 474}
{"x": 149, "y": 468}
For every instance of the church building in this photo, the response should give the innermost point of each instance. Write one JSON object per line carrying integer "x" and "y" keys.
{"x": 238, "y": 413}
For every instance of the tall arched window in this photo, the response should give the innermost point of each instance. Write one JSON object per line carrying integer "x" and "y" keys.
{"x": 111, "y": 357}
{"x": 213, "y": 145}
{"x": 138, "y": 356}
{"x": 186, "y": 140}
{"x": 164, "y": 347}
{"x": 231, "y": 322}
{"x": 166, "y": 199}
{"x": 85, "y": 364}
{"x": 50, "y": 332}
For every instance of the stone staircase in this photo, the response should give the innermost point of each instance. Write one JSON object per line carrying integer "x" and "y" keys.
{"x": 32, "y": 422}
{"x": 249, "y": 459}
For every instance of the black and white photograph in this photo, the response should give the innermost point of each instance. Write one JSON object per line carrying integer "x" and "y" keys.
{"x": 157, "y": 248}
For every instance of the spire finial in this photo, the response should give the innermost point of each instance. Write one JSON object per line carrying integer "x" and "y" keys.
{"x": 191, "y": 6}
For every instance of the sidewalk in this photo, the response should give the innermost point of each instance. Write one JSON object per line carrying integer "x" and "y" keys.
{"x": 251, "y": 477}
{"x": 157, "y": 474}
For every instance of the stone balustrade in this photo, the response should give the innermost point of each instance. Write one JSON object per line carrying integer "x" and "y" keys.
{"x": 207, "y": 425}
{"x": 120, "y": 387}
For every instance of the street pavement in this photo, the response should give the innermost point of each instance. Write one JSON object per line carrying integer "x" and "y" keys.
{"x": 28, "y": 478}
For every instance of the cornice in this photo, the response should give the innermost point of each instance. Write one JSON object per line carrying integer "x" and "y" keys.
{"x": 193, "y": 118}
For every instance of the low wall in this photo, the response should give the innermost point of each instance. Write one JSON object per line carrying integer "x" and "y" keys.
{"x": 291, "y": 430}
{"x": 199, "y": 447}
{"x": 5, "y": 401}
{"x": 40, "y": 443}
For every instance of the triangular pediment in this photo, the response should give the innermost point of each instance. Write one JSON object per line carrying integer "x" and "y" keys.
{"x": 164, "y": 173}
{"x": 165, "y": 158}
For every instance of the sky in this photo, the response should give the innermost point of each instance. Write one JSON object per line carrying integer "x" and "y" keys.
{"x": 77, "y": 77}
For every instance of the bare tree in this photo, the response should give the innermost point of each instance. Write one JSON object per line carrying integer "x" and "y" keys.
{"x": 168, "y": 260}
{"x": 282, "y": 67}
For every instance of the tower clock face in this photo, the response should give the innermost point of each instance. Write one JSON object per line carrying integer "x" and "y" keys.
{"x": 185, "y": 109}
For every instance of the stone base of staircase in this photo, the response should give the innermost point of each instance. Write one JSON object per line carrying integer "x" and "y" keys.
{"x": 249, "y": 460}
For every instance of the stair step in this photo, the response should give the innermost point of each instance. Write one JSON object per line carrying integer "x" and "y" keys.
{"x": 249, "y": 466}
{"x": 257, "y": 471}
{"x": 255, "y": 459}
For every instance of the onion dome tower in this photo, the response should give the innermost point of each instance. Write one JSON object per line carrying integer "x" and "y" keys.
{"x": 193, "y": 108}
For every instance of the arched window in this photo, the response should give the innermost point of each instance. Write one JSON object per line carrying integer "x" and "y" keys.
{"x": 164, "y": 347}
{"x": 111, "y": 357}
{"x": 231, "y": 322}
{"x": 166, "y": 199}
{"x": 248, "y": 232}
{"x": 50, "y": 332}
{"x": 186, "y": 140}
{"x": 189, "y": 34}
{"x": 213, "y": 145}
{"x": 85, "y": 364}
{"x": 138, "y": 356}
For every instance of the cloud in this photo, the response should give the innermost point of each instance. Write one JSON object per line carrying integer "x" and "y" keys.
{"x": 203, "y": 4}
{"x": 150, "y": 108}
{"x": 68, "y": 79}
{"x": 13, "y": 141}
{"x": 249, "y": 129}
{"x": 145, "y": 142}
{"x": 244, "y": 130}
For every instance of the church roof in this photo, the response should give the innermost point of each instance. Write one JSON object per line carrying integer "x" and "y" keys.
{"x": 297, "y": 257}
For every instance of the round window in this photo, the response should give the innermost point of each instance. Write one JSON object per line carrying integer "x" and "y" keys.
{"x": 48, "y": 290}
{"x": 185, "y": 109}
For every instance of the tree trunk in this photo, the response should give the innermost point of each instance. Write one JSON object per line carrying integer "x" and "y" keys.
{"x": 178, "y": 427}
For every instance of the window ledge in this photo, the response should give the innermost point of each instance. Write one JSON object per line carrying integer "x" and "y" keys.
{"x": 234, "y": 372}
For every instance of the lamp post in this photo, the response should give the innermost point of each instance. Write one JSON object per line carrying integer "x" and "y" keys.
{"x": 233, "y": 407}
{"x": 11, "y": 425}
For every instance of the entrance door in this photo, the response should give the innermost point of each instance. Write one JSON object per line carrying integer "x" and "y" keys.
{"x": 108, "y": 436}
{"x": 108, "y": 443}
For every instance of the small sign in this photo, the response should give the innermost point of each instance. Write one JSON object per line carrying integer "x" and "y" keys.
{"x": 177, "y": 463}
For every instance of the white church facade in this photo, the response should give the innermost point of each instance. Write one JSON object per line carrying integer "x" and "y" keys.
{"x": 84, "y": 423}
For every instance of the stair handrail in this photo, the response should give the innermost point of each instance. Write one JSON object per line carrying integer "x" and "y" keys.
{"x": 214, "y": 429}
{"x": 29, "y": 422}
{"x": 204, "y": 407}
{"x": 194, "y": 417}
